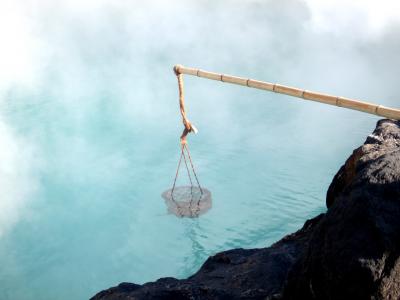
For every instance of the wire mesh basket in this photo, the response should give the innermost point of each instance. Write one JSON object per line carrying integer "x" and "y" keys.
{"x": 187, "y": 201}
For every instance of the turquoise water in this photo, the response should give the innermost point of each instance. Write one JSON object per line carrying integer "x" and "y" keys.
{"x": 97, "y": 142}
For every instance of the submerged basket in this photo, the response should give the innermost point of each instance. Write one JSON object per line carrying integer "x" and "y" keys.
{"x": 187, "y": 201}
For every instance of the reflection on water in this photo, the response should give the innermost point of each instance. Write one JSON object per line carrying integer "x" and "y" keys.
{"x": 187, "y": 201}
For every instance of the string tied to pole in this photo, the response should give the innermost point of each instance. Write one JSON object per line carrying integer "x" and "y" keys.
{"x": 188, "y": 126}
{"x": 186, "y": 201}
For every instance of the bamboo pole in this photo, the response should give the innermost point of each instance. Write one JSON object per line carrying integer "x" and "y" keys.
{"x": 371, "y": 108}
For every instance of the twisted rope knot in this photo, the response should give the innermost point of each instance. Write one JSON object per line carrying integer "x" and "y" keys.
{"x": 188, "y": 128}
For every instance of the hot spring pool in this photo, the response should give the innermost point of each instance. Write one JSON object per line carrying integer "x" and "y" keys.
{"x": 90, "y": 144}
{"x": 96, "y": 217}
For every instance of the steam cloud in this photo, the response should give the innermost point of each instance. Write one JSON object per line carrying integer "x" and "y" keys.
{"x": 70, "y": 55}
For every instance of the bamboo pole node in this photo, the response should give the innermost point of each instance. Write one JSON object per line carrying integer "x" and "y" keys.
{"x": 370, "y": 108}
{"x": 377, "y": 108}
{"x": 339, "y": 102}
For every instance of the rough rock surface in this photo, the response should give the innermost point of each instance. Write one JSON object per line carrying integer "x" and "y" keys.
{"x": 233, "y": 274}
{"x": 351, "y": 252}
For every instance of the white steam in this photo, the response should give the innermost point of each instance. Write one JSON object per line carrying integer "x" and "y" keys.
{"x": 77, "y": 50}
{"x": 17, "y": 181}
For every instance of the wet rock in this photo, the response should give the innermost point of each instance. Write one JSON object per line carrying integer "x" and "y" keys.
{"x": 351, "y": 252}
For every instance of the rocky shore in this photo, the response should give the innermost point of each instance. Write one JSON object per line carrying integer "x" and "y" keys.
{"x": 350, "y": 252}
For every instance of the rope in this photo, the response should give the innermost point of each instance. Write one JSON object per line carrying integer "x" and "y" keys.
{"x": 176, "y": 175}
{"x": 187, "y": 168}
{"x": 194, "y": 172}
{"x": 188, "y": 127}
{"x": 185, "y": 147}
{"x": 190, "y": 177}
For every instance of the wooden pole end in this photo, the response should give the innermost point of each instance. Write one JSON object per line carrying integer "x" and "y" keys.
{"x": 176, "y": 69}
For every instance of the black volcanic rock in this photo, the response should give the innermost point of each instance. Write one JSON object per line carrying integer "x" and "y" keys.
{"x": 233, "y": 274}
{"x": 351, "y": 252}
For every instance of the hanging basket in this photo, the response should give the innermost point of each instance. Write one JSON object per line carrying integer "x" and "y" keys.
{"x": 187, "y": 201}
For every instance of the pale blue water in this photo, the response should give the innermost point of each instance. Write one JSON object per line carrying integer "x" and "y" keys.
{"x": 104, "y": 126}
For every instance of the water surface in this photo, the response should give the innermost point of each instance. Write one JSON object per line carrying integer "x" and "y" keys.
{"x": 99, "y": 135}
